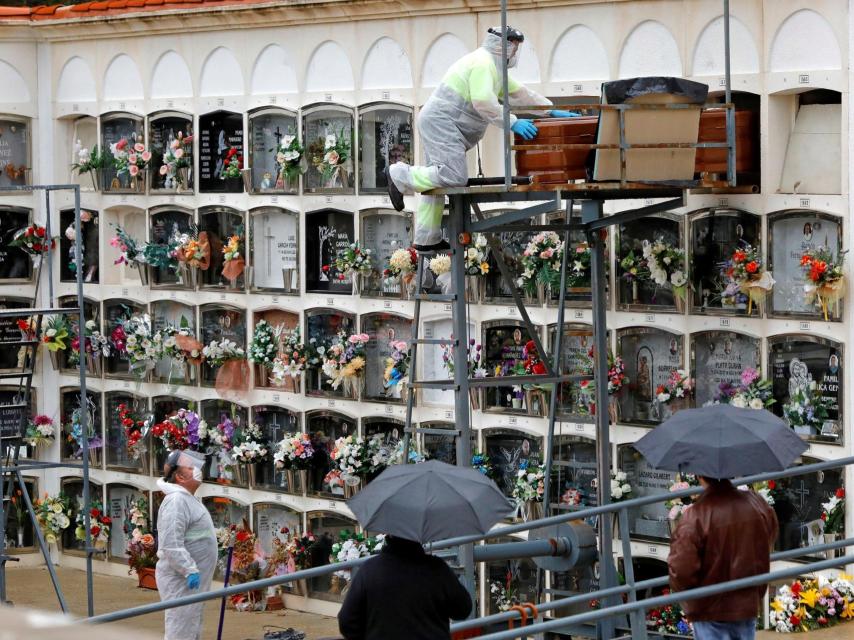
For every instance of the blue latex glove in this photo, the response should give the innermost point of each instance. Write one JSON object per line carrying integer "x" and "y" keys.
{"x": 557, "y": 113}
{"x": 193, "y": 581}
{"x": 524, "y": 128}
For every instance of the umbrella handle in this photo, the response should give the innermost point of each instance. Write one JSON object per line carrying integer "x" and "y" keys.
{"x": 523, "y": 612}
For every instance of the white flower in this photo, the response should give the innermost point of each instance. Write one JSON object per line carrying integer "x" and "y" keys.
{"x": 756, "y": 403}
{"x": 331, "y": 140}
{"x": 663, "y": 397}
{"x": 739, "y": 401}
{"x": 287, "y": 141}
{"x": 50, "y": 333}
{"x": 678, "y": 279}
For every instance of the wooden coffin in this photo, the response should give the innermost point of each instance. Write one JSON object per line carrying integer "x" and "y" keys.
{"x": 554, "y": 167}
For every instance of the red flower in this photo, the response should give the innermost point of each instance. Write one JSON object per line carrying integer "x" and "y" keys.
{"x": 29, "y": 231}
{"x": 772, "y": 484}
{"x": 106, "y": 520}
{"x": 40, "y": 232}
{"x": 95, "y": 530}
{"x": 38, "y": 246}
{"x": 231, "y": 153}
{"x": 242, "y": 536}
{"x": 326, "y": 267}
{"x": 805, "y": 260}
{"x": 822, "y": 620}
{"x": 121, "y": 144}
{"x": 539, "y": 368}
{"x": 840, "y": 493}
{"x": 739, "y": 256}
{"x": 751, "y": 267}
{"x": 94, "y": 512}
{"x": 795, "y": 621}
{"x": 796, "y": 588}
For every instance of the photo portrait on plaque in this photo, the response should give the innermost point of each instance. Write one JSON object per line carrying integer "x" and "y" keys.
{"x": 650, "y": 355}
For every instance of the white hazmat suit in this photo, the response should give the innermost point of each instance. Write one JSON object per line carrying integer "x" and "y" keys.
{"x": 453, "y": 120}
{"x": 186, "y": 544}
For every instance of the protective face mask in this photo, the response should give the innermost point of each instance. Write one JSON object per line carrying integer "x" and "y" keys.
{"x": 513, "y": 50}
{"x": 197, "y": 474}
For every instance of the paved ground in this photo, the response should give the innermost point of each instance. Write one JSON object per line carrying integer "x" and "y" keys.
{"x": 30, "y": 587}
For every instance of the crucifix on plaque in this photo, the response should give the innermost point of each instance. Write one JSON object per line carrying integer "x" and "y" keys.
{"x": 802, "y": 493}
{"x": 279, "y": 135}
{"x": 270, "y": 237}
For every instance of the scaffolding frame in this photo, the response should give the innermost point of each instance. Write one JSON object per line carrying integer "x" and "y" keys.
{"x": 10, "y": 463}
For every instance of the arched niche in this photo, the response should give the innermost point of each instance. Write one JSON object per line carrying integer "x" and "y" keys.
{"x": 575, "y": 399}
{"x": 790, "y": 235}
{"x": 218, "y": 322}
{"x": 91, "y": 311}
{"x": 713, "y": 235}
{"x": 386, "y": 66}
{"x": 503, "y": 342}
{"x": 269, "y": 519}
{"x": 649, "y": 522}
{"x": 76, "y": 82}
{"x": 326, "y": 231}
{"x": 275, "y": 250}
{"x": 383, "y": 231}
{"x": 115, "y": 128}
{"x": 521, "y": 572}
{"x": 506, "y": 449}
{"x": 115, "y": 439}
{"x": 90, "y": 244}
{"x": 166, "y": 224}
{"x": 116, "y": 312}
{"x": 221, "y": 149}
{"x": 221, "y": 74}
{"x": 385, "y": 137}
{"x": 709, "y": 50}
{"x": 14, "y": 86}
{"x": 177, "y": 315}
{"x": 15, "y": 264}
{"x": 21, "y": 537}
{"x": 73, "y": 489}
{"x": 327, "y": 527}
{"x": 10, "y": 423}
{"x": 719, "y": 357}
{"x": 221, "y": 223}
{"x": 216, "y": 412}
{"x": 633, "y": 294}
{"x": 445, "y": 50}
{"x": 275, "y": 423}
{"x": 122, "y": 80}
{"x": 795, "y": 361}
{"x": 804, "y": 41}
{"x": 389, "y": 429}
{"x": 81, "y": 138}
{"x": 283, "y": 323}
{"x": 15, "y": 160}
{"x": 579, "y": 55}
{"x": 321, "y": 328}
{"x": 649, "y": 355}
{"x": 329, "y": 144}
{"x": 171, "y": 77}
{"x": 798, "y": 505}
{"x": 274, "y": 72}
{"x": 121, "y": 498}
{"x": 325, "y": 427}
{"x": 329, "y": 69}
{"x": 166, "y": 129}
{"x": 650, "y": 50}
{"x": 383, "y": 328}
{"x": 270, "y": 131}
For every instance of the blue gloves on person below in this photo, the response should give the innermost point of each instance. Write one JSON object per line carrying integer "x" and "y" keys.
{"x": 193, "y": 581}
{"x": 525, "y": 129}
{"x": 557, "y": 113}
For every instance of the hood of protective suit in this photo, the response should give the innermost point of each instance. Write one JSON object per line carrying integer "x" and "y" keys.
{"x": 492, "y": 43}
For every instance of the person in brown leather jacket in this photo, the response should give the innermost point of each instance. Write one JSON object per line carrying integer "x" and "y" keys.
{"x": 725, "y": 535}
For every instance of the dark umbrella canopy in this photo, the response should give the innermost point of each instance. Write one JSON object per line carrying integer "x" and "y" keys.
{"x": 430, "y": 501}
{"x": 722, "y": 441}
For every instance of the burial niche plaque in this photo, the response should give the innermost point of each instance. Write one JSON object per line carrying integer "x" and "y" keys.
{"x": 275, "y": 250}
{"x": 220, "y": 146}
{"x": 649, "y": 356}
{"x": 325, "y": 233}
{"x": 383, "y": 328}
{"x": 718, "y": 357}
{"x": 269, "y": 129}
{"x": 649, "y": 521}
{"x": 506, "y": 449}
{"x": 383, "y": 232}
{"x": 14, "y": 152}
{"x": 634, "y": 239}
{"x": 385, "y": 137}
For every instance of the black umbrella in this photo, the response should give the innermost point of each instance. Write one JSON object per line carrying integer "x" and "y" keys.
{"x": 722, "y": 441}
{"x": 430, "y": 501}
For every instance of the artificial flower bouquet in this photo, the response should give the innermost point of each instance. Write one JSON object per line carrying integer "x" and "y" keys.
{"x": 141, "y": 547}
{"x": 135, "y": 426}
{"x": 264, "y": 347}
{"x": 33, "y": 240}
{"x": 833, "y": 513}
{"x": 54, "y": 516}
{"x": 807, "y": 410}
{"x": 291, "y": 361}
{"x": 395, "y": 374}
{"x": 232, "y": 164}
{"x": 96, "y": 344}
{"x": 142, "y": 345}
{"x": 745, "y": 275}
{"x": 89, "y": 161}
{"x": 669, "y": 619}
{"x": 505, "y": 595}
{"x": 251, "y": 446}
{"x": 41, "y": 431}
{"x": 530, "y": 483}
{"x": 676, "y": 507}
{"x": 812, "y": 603}
{"x": 475, "y": 366}
{"x": 55, "y": 334}
{"x": 179, "y": 344}
{"x": 233, "y": 261}
{"x": 541, "y": 263}
{"x": 666, "y": 268}
{"x": 480, "y": 462}
{"x": 289, "y": 162}
{"x": 328, "y": 156}
{"x": 130, "y": 160}
{"x": 354, "y": 458}
{"x": 295, "y": 451}
{"x": 825, "y": 278}
{"x": 164, "y": 255}
{"x": 218, "y": 352}
{"x": 131, "y": 252}
{"x": 344, "y": 362}
{"x": 184, "y": 429}
{"x": 177, "y": 163}
{"x": 401, "y": 268}
{"x": 477, "y": 256}
{"x": 193, "y": 252}
{"x": 620, "y": 487}
{"x": 676, "y": 390}
{"x": 751, "y": 391}
{"x": 99, "y": 524}
{"x": 578, "y": 269}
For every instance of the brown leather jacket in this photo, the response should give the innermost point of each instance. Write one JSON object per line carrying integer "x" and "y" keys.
{"x": 727, "y": 534}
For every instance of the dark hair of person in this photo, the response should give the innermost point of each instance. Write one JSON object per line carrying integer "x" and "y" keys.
{"x": 717, "y": 483}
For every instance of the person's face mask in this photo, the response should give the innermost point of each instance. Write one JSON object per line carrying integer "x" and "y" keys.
{"x": 513, "y": 53}
{"x": 197, "y": 474}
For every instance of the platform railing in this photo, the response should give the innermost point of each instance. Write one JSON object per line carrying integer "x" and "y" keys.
{"x": 631, "y": 588}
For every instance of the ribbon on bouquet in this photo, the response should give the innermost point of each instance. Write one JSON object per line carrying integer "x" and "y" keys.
{"x": 757, "y": 289}
{"x": 826, "y": 295}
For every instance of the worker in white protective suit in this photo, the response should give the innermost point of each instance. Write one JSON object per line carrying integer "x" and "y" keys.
{"x": 453, "y": 120}
{"x": 186, "y": 543}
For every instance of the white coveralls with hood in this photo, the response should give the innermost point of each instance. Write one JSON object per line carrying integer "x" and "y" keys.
{"x": 186, "y": 545}
{"x": 454, "y": 119}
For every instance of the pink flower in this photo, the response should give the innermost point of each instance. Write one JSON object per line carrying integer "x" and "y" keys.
{"x": 748, "y": 376}
{"x": 163, "y": 169}
{"x": 122, "y": 144}
{"x": 179, "y": 153}
{"x": 187, "y": 139}
{"x": 132, "y": 158}
{"x": 139, "y": 147}
{"x": 134, "y": 170}
{"x": 175, "y": 144}
{"x": 85, "y": 216}
{"x": 114, "y": 242}
{"x": 580, "y": 249}
{"x": 546, "y": 254}
{"x": 146, "y": 156}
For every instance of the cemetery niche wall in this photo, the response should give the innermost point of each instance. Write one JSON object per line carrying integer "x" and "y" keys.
{"x": 714, "y": 235}
{"x": 806, "y": 374}
{"x": 275, "y": 252}
{"x": 791, "y": 235}
{"x": 272, "y": 134}
{"x": 325, "y": 427}
{"x": 506, "y": 449}
{"x": 650, "y": 355}
{"x": 720, "y": 357}
{"x": 220, "y": 152}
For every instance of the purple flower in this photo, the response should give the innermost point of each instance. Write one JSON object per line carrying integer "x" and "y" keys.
{"x": 749, "y": 376}
{"x": 192, "y": 420}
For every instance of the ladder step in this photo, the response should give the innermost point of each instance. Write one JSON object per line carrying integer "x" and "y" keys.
{"x": 16, "y": 374}
{"x": 436, "y": 297}
{"x": 434, "y": 384}
{"x": 455, "y": 433}
{"x": 23, "y": 313}
{"x": 446, "y": 341}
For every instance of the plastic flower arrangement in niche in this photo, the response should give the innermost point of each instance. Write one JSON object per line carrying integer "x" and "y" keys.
{"x": 833, "y": 513}
{"x": 89, "y": 161}
{"x": 344, "y": 359}
{"x": 679, "y": 386}
{"x": 669, "y": 619}
{"x": 130, "y": 251}
{"x": 745, "y": 278}
{"x": 825, "y": 278}
{"x": 541, "y": 262}
{"x": 291, "y": 360}
{"x": 401, "y": 264}
{"x": 251, "y": 445}
{"x": 54, "y": 516}
{"x": 129, "y": 158}
{"x": 217, "y": 353}
{"x": 55, "y": 333}
{"x": 289, "y": 162}
{"x": 232, "y": 164}
{"x": 504, "y": 594}
{"x": 812, "y": 603}
{"x": 177, "y": 162}
{"x": 328, "y": 156}
{"x": 99, "y": 524}
{"x": 233, "y": 261}
{"x": 33, "y": 240}
{"x": 294, "y": 451}
{"x": 751, "y": 391}
{"x": 141, "y": 548}
{"x": 677, "y": 506}
{"x": 353, "y": 260}
{"x": 481, "y": 462}
{"x": 182, "y": 430}
{"x": 474, "y": 356}
{"x": 807, "y": 409}
{"x": 617, "y": 377}
{"x": 578, "y": 269}
{"x": 96, "y": 344}
{"x": 396, "y": 365}
{"x": 143, "y": 345}
{"x": 476, "y": 256}
{"x": 41, "y": 430}
{"x": 264, "y": 345}
{"x": 620, "y": 487}
{"x": 135, "y": 426}
{"x": 530, "y": 483}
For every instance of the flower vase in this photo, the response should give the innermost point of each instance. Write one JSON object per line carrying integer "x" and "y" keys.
{"x": 189, "y": 275}
{"x": 232, "y": 284}
{"x": 184, "y": 179}
{"x": 100, "y": 545}
{"x": 95, "y": 174}
{"x": 516, "y": 403}
{"x": 41, "y": 448}
{"x": 635, "y": 299}
{"x": 532, "y": 510}
{"x": 537, "y": 402}
{"x": 832, "y": 553}
{"x": 20, "y": 536}
{"x": 288, "y": 280}
{"x": 406, "y": 281}
{"x": 613, "y": 410}
{"x": 295, "y": 384}
{"x": 261, "y": 377}
{"x": 679, "y": 301}
{"x": 144, "y": 460}
{"x": 352, "y": 488}
{"x": 142, "y": 270}
{"x": 290, "y": 480}
{"x": 356, "y": 279}
{"x": 615, "y": 525}
{"x": 299, "y": 587}
{"x": 475, "y": 289}
{"x": 233, "y": 185}
{"x": 54, "y": 360}
{"x": 476, "y": 398}
{"x": 677, "y": 404}
{"x": 93, "y": 365}
{"x": 137, "y": 182}
{"x": 246, "y": 174}
{"x": 93, "y": 458}
{"x": 673, "y": 523}
{"x": 352, "y": 386}
{"x": 541, "y": 294}
{"x": 147, "y": 578}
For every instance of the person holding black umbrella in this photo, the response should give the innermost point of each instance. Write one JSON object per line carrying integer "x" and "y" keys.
{"x": 726, "y": 534}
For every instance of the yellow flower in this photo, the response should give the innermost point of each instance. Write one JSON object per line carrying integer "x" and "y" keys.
{"x": 847, "y": 609}
{"x": 845, "y": 576}
{"x": 809, "y": 598}
{"x": 825, "y": 591}
{"x": 777, "y": 605}
{"x": 484, "y": 268}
